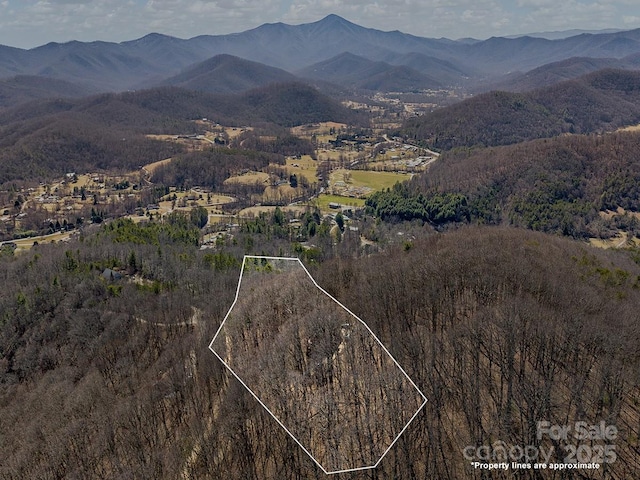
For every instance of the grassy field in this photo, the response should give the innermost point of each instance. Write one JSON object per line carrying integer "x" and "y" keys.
{"x": 151, "y": 167}
{"x": 24, "y": 244}
{"x": 306, "y": 167}
{"x": 335, "y": 155}
{"x": 233, "y": 132}
{"x": 249, "y": 178}
{"x": 255, "y": 211}
{"x": 83, "y": 181}
{"x": 216, "y": 201}
{"x": 276, "y": 194}
{"x": 319, "y": 129}
{"x": 323, "y": 201}
{"x": 620, "y": 241}
{"x": 365, "y": 178}
{"x": 632, "y": 128}
{"x": 358, "y": 178}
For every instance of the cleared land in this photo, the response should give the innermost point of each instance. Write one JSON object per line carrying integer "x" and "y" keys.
{"x": 233, "y": 132}
{"x": 377, "y": 180}
{"x": 185, "y": 201}
{"x": 620, "y": 241}
{"x": 26, "y": 243}
{"x": 336, "y": 155}
{"x": 151, "y": 167}
{"x": 632, "y": 128}
{"x": 249, "y": 178}
{"x": 255, "y": 211}
{"x": 323, "y": 128}
{"x": 279, "y": 193}
{"x": 364, "y": 179}
{"x": 348, "y": 184}
{"x": 304, "y": 166}
{"x": 323, "y": 201}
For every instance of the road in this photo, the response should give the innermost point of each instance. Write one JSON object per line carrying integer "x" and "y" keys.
{"x": 27, "y": 243}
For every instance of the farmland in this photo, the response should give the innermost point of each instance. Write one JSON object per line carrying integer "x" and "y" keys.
{"x": 347, "y": 167}
{"x": 375, "y": 180}
{"x": 323, "y": 201}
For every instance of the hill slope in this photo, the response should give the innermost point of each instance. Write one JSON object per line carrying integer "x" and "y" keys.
{"x": 562, "y": 185}
{"x": 228, "y": 74}
{"x": 553, "y": 73}
{"x": 21, "y": 89}
{"x": 108, "y": 131}
{"x": 444, "y": 71}
{"x": 499, "y": 328}
{"x": 601, "y": 101}
{"x": 357, "y": 72}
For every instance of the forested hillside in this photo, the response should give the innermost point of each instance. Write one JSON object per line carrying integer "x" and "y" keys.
{"x": 358, "y": 72}
{"x": 598, "y": 102}
{"x": 24, "y": 88}
{"x": 556, "y": 72}
{"x": 112, "y": 378}
{"x": 560, "y": 185}
{"x": 228, "y": 74}
{"x": 53, "y": 145}
{"x": 211, "y": 168}
{"x": 51, "y": 137}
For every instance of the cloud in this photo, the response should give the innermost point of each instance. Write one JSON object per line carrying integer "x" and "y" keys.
{"x": 536, "y": 3}
{"x": 186, "y": 18}
{"x": 118, "y": 20}
{"x": 549, "y": 15}
{"x": 631, "y": 20}
{"x": 212, "y": 10}
{"x": 67, "y": 2}
{"x": 452, "y": 18}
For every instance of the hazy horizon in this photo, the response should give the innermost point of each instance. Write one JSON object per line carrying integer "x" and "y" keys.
{"x": 28, "y": 24}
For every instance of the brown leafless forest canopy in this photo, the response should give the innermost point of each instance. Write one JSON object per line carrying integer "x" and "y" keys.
{"x": 601, "y": 101}
{"x": 499, "y": 328}
{"x": 315, "y": 366}
{"x": 558, "y": 185}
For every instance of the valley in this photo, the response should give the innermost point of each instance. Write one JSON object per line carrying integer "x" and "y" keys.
{"x": 354, "y": 166}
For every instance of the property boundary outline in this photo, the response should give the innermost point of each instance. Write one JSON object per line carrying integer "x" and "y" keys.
{"x": 244, "y": 260}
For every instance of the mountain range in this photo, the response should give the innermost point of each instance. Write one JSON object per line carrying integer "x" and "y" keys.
{"x": 332, "y": 49}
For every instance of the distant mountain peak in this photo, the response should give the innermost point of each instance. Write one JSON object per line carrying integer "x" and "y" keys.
{"x": 332, "y": 17}
{"x": 150, "y": 38}
{"x": 155, "y": 35}
{"x": 332, "y": 20}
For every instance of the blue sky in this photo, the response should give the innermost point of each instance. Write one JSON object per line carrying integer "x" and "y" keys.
{"x": 29, "y": 23}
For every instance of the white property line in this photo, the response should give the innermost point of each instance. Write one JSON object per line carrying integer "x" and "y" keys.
{"x": 352, "y": 314}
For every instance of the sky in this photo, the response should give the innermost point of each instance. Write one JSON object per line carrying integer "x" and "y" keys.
{"x": 30, "y": 23}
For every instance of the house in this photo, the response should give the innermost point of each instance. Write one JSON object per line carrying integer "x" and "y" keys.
{"x": 111, "y": 275}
